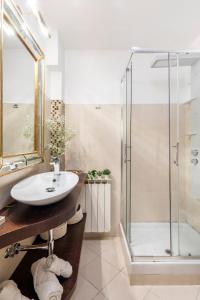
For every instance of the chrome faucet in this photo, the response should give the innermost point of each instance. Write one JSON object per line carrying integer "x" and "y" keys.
{"x": 56, "y": 166}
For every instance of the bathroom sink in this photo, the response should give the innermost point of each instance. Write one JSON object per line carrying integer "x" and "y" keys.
{"x": 44, "y": 188}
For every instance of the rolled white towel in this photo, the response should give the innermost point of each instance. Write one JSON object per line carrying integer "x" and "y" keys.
{"x": 10, "y": 291}
{"x": 46, "y": 284}
{"x": 59, "y": 266}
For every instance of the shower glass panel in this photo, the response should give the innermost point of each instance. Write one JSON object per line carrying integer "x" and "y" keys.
{"x": 123, "y": 149}
{"x": 126, "y": 89}
{"x": 127, "y": 158}
{"x": 185, "y": 168}
{"x": 150, "y": 215}
{"x": 174, "y": 150}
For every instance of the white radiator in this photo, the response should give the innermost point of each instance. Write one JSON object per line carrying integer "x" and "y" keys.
{"x": 95, "y": 200}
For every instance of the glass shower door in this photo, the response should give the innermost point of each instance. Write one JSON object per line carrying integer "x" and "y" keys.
{"x": 150, "y": 156}
{"x": 126, "y": 152}
{"x": 185, "y": 152}
{"x": 174, "y": 151}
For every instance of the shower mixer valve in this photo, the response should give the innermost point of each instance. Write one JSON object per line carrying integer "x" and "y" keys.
{"x": 194, "y": 161}
{"x": 194, "y": 152}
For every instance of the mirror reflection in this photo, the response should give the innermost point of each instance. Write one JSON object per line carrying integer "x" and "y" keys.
{"x": 18, "y": 95}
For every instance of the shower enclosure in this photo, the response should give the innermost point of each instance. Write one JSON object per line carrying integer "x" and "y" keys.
{"x": 160, "y": 187}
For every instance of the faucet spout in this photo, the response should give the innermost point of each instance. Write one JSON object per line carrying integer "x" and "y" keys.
{"x": 56, "y": 166}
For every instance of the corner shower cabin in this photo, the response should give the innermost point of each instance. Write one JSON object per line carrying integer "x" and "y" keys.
{"x": 160, "y": 203}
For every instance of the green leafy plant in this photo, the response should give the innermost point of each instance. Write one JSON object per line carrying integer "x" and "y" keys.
{"x": 106, "y": 172}
{"x": 92, "y": 174}
{"x": 99, "y": 173}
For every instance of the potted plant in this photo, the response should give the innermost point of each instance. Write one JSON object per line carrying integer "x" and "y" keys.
{"x": 106, "y": 173}
{"x": 100, "y": 173}
{"x": 89, "y": 175}
{"x": 92, "y": 175}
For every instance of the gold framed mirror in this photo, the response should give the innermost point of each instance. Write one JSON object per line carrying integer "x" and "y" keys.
{"x": 22, "y": 93}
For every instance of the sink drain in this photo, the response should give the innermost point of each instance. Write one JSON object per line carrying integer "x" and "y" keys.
{"x": 50, "y": 189}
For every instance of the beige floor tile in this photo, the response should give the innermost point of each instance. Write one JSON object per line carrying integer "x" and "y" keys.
{"x": 115, "y": 257}
{"x": 86, "y": 256}
{"x": 124, "y": 271}
{"x": 176, "y": 292}
{"x": 119, "y": 288}
{"x": 100, "y": 246}
{"x": 152, "y": 296}
{"x": 99, "y": 273}
{"x": 100, "y": 297}
{"x": 84, "y": 290}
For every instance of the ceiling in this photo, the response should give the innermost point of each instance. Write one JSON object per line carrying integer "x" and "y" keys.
{"x": 120, "y": 24}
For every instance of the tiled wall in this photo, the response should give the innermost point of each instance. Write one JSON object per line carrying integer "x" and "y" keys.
{"x": 97, "y": 146}
{"x": 57, "y": 110}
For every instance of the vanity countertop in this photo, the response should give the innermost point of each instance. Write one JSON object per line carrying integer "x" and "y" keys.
{"x": 23, "y": 221}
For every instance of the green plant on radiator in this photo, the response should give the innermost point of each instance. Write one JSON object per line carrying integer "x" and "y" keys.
{"x": 94, "y": 174}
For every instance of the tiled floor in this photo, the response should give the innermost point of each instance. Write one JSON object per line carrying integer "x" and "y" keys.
{"x": 102, "y": 276}
{"x": 152, "y": 239}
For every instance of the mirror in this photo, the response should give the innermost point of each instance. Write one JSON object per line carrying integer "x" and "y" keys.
{"x": 18, "y": 95}
{"x": 22, "y": 95}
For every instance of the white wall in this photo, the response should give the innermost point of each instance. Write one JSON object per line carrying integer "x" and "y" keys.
{"x": 94, "y": 76}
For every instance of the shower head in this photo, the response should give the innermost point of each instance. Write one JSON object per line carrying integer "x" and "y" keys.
{"x": 187, "y": 59}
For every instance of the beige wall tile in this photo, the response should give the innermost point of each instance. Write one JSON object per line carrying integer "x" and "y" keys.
{"x": 97, "y": 145}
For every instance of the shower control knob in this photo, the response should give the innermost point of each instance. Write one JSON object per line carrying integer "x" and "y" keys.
{"x": 194, "y": 161}
{"x": 194, "y": 152}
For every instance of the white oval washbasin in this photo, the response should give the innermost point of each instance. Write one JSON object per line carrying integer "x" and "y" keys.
{"x": 44, "y": 188}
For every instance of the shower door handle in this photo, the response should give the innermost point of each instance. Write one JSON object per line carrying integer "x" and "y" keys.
{"x": 176, "y": 161}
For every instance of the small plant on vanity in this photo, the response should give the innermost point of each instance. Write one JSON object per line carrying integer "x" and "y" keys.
{"x": 60, "y": 137}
